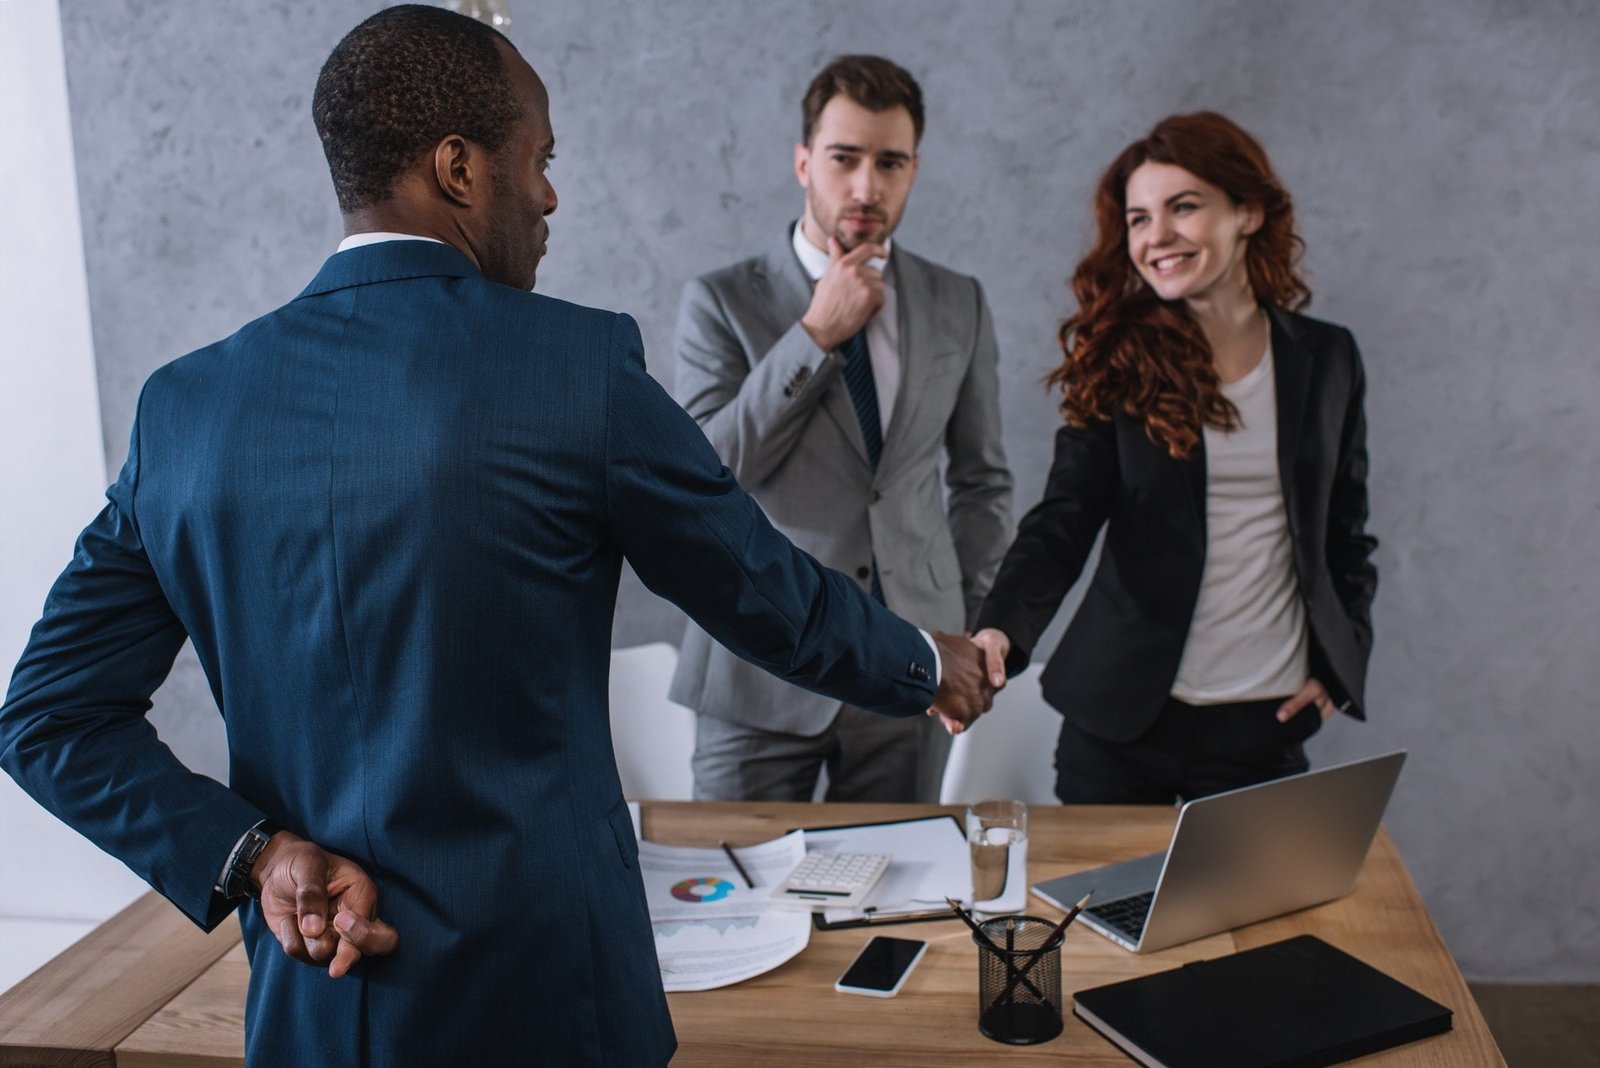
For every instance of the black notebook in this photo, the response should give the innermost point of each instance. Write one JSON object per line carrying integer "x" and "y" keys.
{"x": 1298, "y": 1003}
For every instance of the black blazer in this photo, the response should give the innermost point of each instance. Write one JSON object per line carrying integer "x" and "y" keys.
{"x": 1115, "y": 667}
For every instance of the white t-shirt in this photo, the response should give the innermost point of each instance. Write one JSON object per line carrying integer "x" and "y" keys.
{"x": 1247, "y": 640}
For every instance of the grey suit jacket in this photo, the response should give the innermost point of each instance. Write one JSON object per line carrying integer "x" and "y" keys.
{"x": 777, "y": 411}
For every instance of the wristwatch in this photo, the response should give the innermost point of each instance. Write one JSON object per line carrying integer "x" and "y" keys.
{"x": 236, "y": 875}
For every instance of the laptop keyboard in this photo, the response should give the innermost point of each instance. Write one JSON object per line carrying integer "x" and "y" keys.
{"x": 1126, "y": 914}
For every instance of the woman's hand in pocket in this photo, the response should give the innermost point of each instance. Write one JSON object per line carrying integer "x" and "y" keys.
{"x": 1312, "y": 693}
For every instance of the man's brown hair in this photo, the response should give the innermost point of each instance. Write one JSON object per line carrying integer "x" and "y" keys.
{"x": 871, "y": 81}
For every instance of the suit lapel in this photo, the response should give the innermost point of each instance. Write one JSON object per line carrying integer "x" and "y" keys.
{"x": 1194, "y": 478}
{"x": 1291, "y": 366}
{"x": 914, "y": 299}
{"x": 788, "y": 288}
{"x": 789, "y": 291}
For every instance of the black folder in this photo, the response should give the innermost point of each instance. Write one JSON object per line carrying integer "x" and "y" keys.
{"x": 1298, "y": 1003}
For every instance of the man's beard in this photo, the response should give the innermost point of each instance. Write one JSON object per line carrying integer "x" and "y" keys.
{"x": 838, "y": 232}
{"x": 850, "y": 240}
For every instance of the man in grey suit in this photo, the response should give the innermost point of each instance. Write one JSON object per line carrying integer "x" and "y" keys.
{"x": 833, "y": 374}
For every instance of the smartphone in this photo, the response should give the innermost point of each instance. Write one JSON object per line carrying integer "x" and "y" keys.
{"x": 880, "y": 967}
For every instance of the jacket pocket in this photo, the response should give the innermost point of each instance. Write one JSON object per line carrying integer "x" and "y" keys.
{"x": 622, "y": 831}
{"x": 944, "y": 569}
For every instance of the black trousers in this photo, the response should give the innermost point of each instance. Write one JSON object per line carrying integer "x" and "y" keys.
{"x": 1190, "y": 751}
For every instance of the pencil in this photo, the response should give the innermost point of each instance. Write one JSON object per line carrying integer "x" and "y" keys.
{"x": 1060, "y": 932}
{"x": 726, "y": 848}
{"x": 1005, "y": 958}
{"x": 1057, "y": 936}
{"x": 967, "y": 919}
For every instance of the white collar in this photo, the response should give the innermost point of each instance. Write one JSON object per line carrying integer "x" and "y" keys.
{"x": 376, "y": 236}
{"x": 815, "y": 260}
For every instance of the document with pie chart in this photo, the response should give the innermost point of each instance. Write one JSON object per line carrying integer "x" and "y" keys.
{"x": 711, "y": 929}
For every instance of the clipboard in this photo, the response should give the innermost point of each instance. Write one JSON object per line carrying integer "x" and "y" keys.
{"x": 872, "y": 839}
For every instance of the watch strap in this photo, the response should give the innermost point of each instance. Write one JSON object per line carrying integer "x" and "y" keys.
{"x": 235, "y": 882}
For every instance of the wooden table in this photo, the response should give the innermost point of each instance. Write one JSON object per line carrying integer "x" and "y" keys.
{"x": 147, "y": 989}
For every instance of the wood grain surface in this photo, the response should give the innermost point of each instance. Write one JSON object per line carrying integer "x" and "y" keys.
{"x": 79, "y": 1006}
{"x": 792, "y": 1016}
{"x": 203, "y": 1027}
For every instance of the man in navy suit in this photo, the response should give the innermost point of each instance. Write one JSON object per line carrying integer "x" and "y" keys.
{"x": 391, "y": 517}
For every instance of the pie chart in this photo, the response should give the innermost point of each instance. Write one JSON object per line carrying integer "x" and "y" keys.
{"x": 701, "y": 889}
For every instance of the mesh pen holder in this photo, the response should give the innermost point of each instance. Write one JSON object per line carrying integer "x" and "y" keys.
{"x": 1019, "y": 988}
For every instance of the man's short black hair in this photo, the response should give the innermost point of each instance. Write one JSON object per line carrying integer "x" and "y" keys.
{"x": 871, "y": 81}
{"x": 397, "y": 85}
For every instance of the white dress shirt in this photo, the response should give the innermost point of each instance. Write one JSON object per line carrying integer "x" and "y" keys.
{"x": 883, "y": 348}
{"x": 883, "y": 329}
{"x": 376, "y": 236}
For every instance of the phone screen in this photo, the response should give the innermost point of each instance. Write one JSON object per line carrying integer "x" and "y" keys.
{"x": 882, "y": 965}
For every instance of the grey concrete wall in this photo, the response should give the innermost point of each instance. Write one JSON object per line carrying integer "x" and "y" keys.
{"x": 1445, "y": 156}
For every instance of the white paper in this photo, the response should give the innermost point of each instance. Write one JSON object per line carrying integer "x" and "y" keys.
{"x": 929, "y": 864}
{"x": 710, "y": 929}
{"x": 708, "y": 954}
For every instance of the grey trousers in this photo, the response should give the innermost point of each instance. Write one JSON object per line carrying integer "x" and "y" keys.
{"x": 868, "y": 757}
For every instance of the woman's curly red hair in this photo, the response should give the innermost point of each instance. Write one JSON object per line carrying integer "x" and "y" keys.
{"x": 1128, "y": 350}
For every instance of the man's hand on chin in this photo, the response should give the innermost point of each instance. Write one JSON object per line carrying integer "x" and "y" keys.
{"x": 965, "y": 692}
{"x": 321, "y": 906}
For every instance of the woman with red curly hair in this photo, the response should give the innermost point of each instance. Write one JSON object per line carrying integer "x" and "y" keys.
{"x": 1218, "y": 437}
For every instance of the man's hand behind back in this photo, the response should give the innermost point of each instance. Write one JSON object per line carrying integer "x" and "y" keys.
{"x": 965, "y": 692}
{"x": 321, "y": 906}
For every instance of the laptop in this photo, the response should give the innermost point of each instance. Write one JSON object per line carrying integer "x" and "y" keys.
{"x": 1239, "y": 857}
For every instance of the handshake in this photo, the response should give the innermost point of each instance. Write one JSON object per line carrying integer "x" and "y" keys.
{"x": 971, "y": 670}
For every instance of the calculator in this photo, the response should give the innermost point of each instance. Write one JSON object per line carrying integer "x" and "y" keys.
{"x": 832, "y": 880}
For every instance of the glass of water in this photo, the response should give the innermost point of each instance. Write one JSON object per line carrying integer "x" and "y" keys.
{"x": 997, "y": 837}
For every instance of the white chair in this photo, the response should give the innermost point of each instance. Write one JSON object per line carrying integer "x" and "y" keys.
{"x": 1009, "y": 753}
{"x": 653, "y": 738}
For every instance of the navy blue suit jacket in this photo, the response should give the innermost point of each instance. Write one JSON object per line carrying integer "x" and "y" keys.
{"x": 391, "y": 516}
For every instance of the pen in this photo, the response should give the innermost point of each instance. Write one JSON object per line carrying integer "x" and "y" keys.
{"x": 726, "y": 848}
{"x": 876, "y": 914}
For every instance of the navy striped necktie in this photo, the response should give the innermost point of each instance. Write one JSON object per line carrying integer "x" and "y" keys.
{"x": 864, "y": 396}
{"x": 863, "y": 393}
